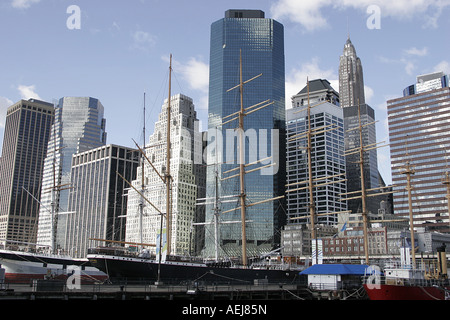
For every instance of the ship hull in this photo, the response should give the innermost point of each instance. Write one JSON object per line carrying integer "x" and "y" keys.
{"x": 401, "y": 292}
{"x": 23, "y": 267}
{"x": 177, "y": 272}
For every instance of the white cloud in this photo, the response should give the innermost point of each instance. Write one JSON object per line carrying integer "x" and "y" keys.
{"x": 443, "y": 66}
{"x": 4, "y": 104}
{"x": 23, "y": 4}
{"x": 143, "y": 40}
{"x": 309, "y": 13}
{"x": 296, "y": 79}
{"x": 417, "y": 52}
{"x": 196, "y": 73}
{"x": 28, "y": 92}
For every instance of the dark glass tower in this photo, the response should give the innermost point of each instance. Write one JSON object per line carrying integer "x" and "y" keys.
{"x": 261, "y": 43}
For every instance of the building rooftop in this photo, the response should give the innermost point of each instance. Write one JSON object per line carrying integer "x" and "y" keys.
{"x": 236, "y": 13}
{"x": 317, "y": 85}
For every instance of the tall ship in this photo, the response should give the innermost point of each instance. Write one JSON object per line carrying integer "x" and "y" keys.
{"x": 23, "y": 266}
{"x": 118, "y": 262}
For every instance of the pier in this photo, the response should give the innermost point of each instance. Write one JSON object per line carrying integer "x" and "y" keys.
{"x": 58, "y": 290}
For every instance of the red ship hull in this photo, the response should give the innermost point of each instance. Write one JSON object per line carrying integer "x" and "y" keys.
{"x": 399, "y": 292}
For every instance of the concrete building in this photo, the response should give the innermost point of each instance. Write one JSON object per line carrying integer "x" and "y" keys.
{"x": 97, "y": 204}
{"x": 419, "y": 135}
{"x": 27, "y": 131}
{"x": 187, "y": 171}
{"x": 327, "y": 155}
{"x": 352, "y": 100}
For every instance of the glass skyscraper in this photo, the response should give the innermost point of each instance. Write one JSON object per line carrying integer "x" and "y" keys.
{"x": 79, "y": 126}
{"x": 260, "y": 41}
{"x": 27, "y": 132}
{"x": 419, "y": 125}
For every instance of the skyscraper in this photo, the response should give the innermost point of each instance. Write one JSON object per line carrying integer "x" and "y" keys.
{"x": 351, "y": 81}
{"x": 96, "y": 200}
{"x": 419, "y": 124}
{"x": 27, "y": 131}
{"x": 187, "y": 183}
{"x": 79, "y": 126}
{"x": 260, "y": 42}
{"x": 352, "y": 100}
{"x": 327, "y": 154}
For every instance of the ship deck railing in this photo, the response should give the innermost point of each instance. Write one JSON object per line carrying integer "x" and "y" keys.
{"x": 382, "y": 280}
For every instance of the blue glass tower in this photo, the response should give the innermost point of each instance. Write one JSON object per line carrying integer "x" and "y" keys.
{"x": 260, "y": 42}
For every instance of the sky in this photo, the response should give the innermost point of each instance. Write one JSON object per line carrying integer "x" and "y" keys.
{"x": 117, "y": 50}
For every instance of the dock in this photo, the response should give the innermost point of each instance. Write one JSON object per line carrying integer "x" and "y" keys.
{"x": 57, "y": 290}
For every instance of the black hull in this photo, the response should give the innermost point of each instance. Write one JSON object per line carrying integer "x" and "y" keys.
{"x": 178, "y": 272}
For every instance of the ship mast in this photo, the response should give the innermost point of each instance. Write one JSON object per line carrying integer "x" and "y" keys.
{"x": 239, "y": 115}
{"x": 167, "y": 173}
{"x": 446, "y": 182}
{"x": 242, "y": 195}
{"x": 312, "y": 206}
{"x": 364, "y": 191}
{"x": 408, "y": 171}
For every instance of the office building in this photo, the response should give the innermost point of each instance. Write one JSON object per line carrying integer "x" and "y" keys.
{"x": 419, "y": 124}
{"x": 260, "y": 42}
{"x": 27, "y": 131}
{"x": 351, "y": 81}
{"x": 97, "y": 204}
{"x": 352, "y": 100}
{"x": 79, "y": 126}
{"x": 187, "y": 173}
{"x": 327, "y": 155}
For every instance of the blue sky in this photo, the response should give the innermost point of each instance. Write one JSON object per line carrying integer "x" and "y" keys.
{"x": 121, "y": 50}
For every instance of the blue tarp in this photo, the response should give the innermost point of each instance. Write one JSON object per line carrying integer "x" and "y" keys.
{"x": 354, "y": 269}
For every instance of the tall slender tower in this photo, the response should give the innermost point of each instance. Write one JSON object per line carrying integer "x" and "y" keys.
{"x": 351, "y": 82}
{"x": 351, "y": 94}
{"x": 27, "y": 132}
{"x": 79, "y": 126}
{"x": 260, "y": 43}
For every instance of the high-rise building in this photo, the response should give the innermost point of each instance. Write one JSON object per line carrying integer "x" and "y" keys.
{"x": 419, "y": 135}
{"x": 79, "y": 126}
{"x": 187, "y": 185}
{"x": 352, "y": 100}
{"x": 351, "y": 81}
{"x": 97, "y": 204}
{"x": 327, "y": 155}
{"x": 260, "y": 43}
{"x": 27, "y": 132}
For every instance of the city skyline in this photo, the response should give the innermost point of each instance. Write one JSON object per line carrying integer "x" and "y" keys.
{"x": 121, "y": 50}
